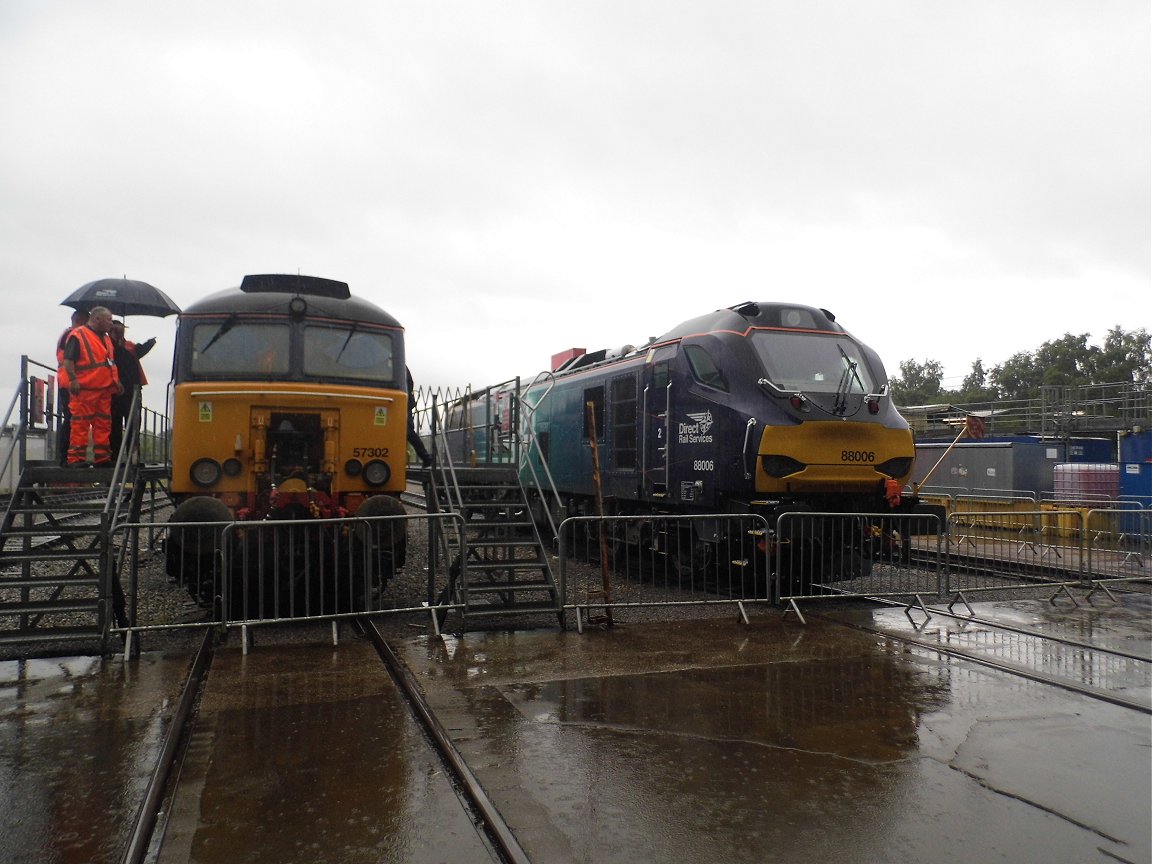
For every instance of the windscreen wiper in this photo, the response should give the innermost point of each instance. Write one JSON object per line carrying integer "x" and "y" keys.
{"x": 355, "y": 324}
{"x": 224, "y": 328}
{"x": 845, "y": 386}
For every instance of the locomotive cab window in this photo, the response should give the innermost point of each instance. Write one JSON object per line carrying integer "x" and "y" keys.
{"x": 237, "y": 349}
{"x": 345, "y": 352}
{"x": 704, "y": 368}
{"x": 813, "y": 362}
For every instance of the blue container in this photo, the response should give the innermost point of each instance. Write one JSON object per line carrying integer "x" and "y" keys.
{"x": 1135, "y": 489}
{"x": 1097, "y": 450}
{"x": 1136, "y": 447}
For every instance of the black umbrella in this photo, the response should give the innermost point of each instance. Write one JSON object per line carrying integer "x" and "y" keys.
{"x": 122, "y": 297}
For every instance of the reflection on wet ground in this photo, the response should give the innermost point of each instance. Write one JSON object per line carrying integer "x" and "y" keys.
{"x": 78, "y": 738}
{"x": 1123, "y": 627}
{"x": 709, "y": 741}
{"x": 679, "y": 742}
{"x": 305, "y": 754}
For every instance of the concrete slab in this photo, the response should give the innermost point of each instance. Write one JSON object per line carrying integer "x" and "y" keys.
{"x": 79, "y": 738}
{"x": 714, "y": 741}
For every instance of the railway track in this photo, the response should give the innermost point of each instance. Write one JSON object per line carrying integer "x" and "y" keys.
{"x": 1088, "y": 668}
{"x": 147, "y": 836}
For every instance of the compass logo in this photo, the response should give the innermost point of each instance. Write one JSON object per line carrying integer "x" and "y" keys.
{"x": 703, "y": 419}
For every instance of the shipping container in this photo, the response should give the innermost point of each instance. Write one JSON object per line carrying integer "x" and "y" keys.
{"x": 1020, "y": 467}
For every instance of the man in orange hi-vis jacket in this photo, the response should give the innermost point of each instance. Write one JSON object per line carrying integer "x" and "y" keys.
{"x": 64, "y": 430}
{"x": 90, "y": 364}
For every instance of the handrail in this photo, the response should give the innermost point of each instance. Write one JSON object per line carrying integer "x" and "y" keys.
{"x": 526, "y": 455}
{"x": 17, "y": 433}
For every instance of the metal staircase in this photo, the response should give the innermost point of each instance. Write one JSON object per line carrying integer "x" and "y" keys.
{"x": 58, "y": 564}
{"x": 497, "y": 554}
{"x": 499, "y": 565}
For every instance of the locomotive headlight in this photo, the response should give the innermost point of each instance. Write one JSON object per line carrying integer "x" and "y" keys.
{"x": 205, "y": 472}
{"x": 781, "y": 466}
{"x": 897, "y": 467}
{"x": 376, "y": 473}
{"x": 353, "y": 467}
{"x": 232, "y": 467}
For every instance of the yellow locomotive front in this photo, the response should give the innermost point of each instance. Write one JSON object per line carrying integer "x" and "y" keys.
{"x": 288, "y": 401}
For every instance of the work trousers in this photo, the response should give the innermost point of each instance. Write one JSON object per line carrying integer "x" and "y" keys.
{"x": 64, "y": 432}
{"x": 91, "y": 412}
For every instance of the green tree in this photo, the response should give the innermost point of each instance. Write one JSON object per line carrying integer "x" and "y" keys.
{"x": 976, "y": 387}
{"x": 1124, "y": 357}
{"x": 1018, "y": 377}
{"x": 918, "y": 384}
{"x": 1066, "y": 361}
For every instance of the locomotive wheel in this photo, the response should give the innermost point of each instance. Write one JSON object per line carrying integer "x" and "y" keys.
{"x": 379, "y": 549}
{"x": 191, "y": 554}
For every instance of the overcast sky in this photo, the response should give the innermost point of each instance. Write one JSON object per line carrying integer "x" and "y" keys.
{"x": 509, "y": 179}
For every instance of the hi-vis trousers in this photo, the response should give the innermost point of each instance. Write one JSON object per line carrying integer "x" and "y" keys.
{"x": 91, "y": 411}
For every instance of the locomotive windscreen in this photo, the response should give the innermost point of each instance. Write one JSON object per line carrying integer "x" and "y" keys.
{"x": 813, "y": 363}
{"x": 343, "y": 352}
{"x": 238, "y": 348}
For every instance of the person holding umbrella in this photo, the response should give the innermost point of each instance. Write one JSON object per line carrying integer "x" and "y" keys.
{"x": 132, "y": 378}
{"x": 121, "y": 297}
{"x": 90, "y": 365}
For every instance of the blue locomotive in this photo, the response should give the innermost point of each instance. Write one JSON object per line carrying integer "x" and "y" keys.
{"x": 757, "y": 408}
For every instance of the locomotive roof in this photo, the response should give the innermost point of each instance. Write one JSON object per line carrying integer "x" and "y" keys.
{"x": 754, "y": 314}
{"x": 734, "y": 319}
{"x": 264, "y": 302}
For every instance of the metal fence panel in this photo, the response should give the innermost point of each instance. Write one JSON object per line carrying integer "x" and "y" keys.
{"x": 857, "y": 554}
{"x": 246, "y": 573}
{"x": 990, "y": 550}
{"x": 620, "y": 561}
{"x": 1119, "y": 544}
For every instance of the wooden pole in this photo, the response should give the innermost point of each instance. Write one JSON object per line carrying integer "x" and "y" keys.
{"x": 605, "y": 569}
{"x": 974, "y": 427}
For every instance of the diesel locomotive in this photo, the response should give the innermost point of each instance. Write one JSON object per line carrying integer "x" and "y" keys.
{"x": 288, "y": 401}
{"x": 757, "y": 408}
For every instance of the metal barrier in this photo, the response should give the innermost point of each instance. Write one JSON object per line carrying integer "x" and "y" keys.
{"x": 990, "y": 550}
{"x": 739, "y": 558}
{"x": 1048, "y": 547}
{"x": 857, "y": 554}
{"x": 614, "y": 562}
{"x": 243, "y": 574}
{"x": 1119, "y": 544}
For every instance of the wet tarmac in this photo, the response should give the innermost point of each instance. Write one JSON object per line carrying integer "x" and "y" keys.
{"x": 78, "y": 741}
{"x": 712, "y": 741}
{"x": 677, "y": 742}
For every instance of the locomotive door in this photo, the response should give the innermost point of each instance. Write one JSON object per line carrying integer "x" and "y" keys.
{"x": 657, "y": 422}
